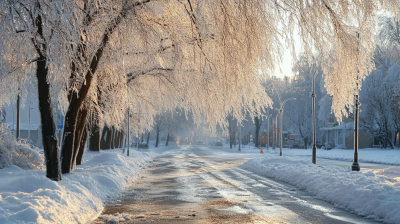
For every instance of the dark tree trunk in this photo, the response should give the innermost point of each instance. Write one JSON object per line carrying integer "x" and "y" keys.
{"x": 166, "y": 143}
{"x": 257, "y": 122}
{"x": 76, "y": 98}
{"x": 157, "y": 138}
{"x": 108, "y": 138}
{"x": 118, "y": 140}
{"x": 49, "y": 139}
{"x": 94, "y": 140}
{"x": 148, "y": 138}
{"x": 103, "y": 138}
{"x": 121, "y": 139}
{"x": 230, "y": 137}
{"x": 79, "y": 158}
{"x": 112, "y": 137}
{"x": 305, "y": 143}
{"x": 81, "y": 123}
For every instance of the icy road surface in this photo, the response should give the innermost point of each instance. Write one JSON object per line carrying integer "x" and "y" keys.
{"x": 198, "y": 185}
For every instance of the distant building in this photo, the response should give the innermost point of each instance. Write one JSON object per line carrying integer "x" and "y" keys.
{"x": 32, "y": 132}
{"x": 342, "y": 136}
{"x": 29, "y": 109}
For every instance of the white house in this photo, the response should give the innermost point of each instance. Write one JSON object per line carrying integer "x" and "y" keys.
{"x": 342, "y": 136}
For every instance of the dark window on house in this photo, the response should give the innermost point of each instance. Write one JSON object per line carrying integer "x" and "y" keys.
{"x": 375, "y": 141}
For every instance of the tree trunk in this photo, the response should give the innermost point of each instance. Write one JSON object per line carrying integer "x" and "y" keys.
{"x": 94, "y": 140}
{"x": 305, "y": 143}
{"x": 112, "y": 137}
{"x": 166, "y": 143}
{"x": 121, "y": 139}
{"x": 108, "y": 138}
{"x": 79, "y": 158}
{"x": 76, "y": 98}
{"x": 116, "y": 142}
{"x": 157, "y": 138}
{"x": 148, "y": 138}
{"x": 80, "y": 127}
{"x": 230, "y": 137}
{"x": 103, "y": 138}
{"x": 50, "y": 141}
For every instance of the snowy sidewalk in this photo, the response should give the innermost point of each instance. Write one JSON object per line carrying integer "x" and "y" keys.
{"x": 27, "y": 196}
{"x": 373, "y": 193}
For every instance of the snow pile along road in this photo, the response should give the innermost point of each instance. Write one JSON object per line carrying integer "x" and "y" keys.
{"x": 27, "y": 196}
{"x": 362, "y": 193}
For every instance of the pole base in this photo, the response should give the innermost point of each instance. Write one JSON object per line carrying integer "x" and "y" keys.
{"x": 355, "y": 167}
{"x": 280, "y": 154}
{"x": 314, "y": 154}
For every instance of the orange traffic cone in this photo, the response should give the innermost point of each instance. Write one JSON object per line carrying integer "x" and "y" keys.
{"x": 261, "y": 151}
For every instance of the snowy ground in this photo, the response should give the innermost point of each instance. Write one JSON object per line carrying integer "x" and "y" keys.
{"x": 371, "y": 155}
{"x": 372, "y": 193}
{"x": 27, "y": 196}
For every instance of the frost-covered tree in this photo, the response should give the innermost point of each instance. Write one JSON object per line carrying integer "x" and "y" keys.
{"x": 199, "y": 55}
{"x": 380, "y": 109}
{"x": 299, "y": 112}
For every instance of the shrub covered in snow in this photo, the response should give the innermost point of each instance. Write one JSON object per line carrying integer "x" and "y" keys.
{"x": 19, "y": 153}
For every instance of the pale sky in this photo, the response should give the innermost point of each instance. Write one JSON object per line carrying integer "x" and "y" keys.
{"x": 285, "y": 68}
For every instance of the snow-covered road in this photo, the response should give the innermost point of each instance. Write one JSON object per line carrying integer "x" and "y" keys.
{"x": 202, "y": 185}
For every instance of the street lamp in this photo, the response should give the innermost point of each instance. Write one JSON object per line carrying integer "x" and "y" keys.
{"x": 314, "y": 147}
{"x": 268, "y": 130}
{"x": 281, "y": 112}
{"x": 240, "y": 126}
{"x": 127, "y": 151}
{"x": 356, "y": 165}
{"x": 274, "y": 131}
{"x": 29, "y": 122}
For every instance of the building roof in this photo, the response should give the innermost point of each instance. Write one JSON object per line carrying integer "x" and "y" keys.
{"x": 24, "y": 126}
{"x": 342, "y": 126}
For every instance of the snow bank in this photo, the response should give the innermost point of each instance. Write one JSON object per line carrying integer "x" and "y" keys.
{"x": 362, "y": 193}
{"x": 19, "y": 153}
{"x": 368, "y": 155}
{"x": 27, "y": 196}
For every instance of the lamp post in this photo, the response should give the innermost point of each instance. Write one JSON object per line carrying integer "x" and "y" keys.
{"x": 314, "y": 146}
{"x": 268, "y": 131}
{"x": 127, "y": 150}
{"x": 356, "y": 165}
{"x": 29, "y": 120}
{"x": 274, "y": 131}
{"x": 281, "y": 112}
{"x": 240, "y": 126}
{"x": 18, "y": 116}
